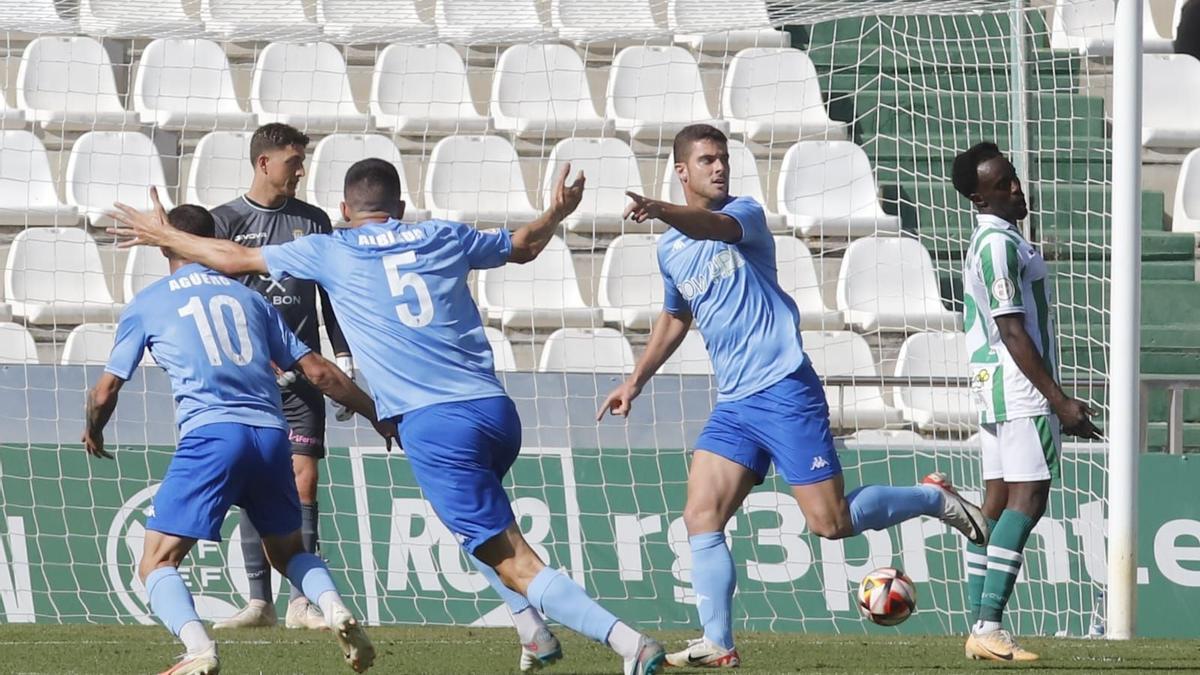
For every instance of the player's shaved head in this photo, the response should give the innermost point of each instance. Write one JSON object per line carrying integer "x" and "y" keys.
{"x": 966, "y": 166}
{"x": 372, "y": 185}
{"x": 193, "y": 220}
{"x": 687, "y": 137}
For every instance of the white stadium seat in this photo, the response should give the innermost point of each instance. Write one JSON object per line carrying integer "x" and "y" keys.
{"x": 89, "y": 344}
{"x": 631, "y": 285}
{"x": 653, "y": 92}
{"x": 1087, "y": 27}
{"x": 846, "y": 354}
{"x": 827, "y": 188}
{"x": 27, "y": 192}
{"x": 502, "y": 350}
{"x": 335, "y": 154}
{"x": 691, "y": 358}
{"x": 477, "y": 179}
{"x": 187, "y": 84}
{"x": 889, "y": 284}
{"x": 543, "y": 293}
{"x": 1170, "y": 98}
{"x": 114, "y": 166}
{"x": 37, "y": 17}
{"x": 541, "y": 92}
{"x": 773, "y": 96}
{"x": 55, "y": 276}
{"x": 1186, "y": 216}
{"x": 10, "y": 117}
{"x": 586, "y": 350}
{"x": 422, "y": 90}
{"x": 367, "y": 21}
{"x": 305, "y": 85}
{"x": 611, "y": 168}
{"x": 486, "y": 22}
{"x": 221, "y": 169}
{"x": 239, "y": 20}
{"x": 935, "y": 354}
{"x": 138, "y": 18}
{"x": 723, "y": 26}
{"x": 591, "y": 24}
{"x": 798, "y": 278}
{"x": 144, "y": 266}
{"x": 68, "y": 82}
{"x": 744, "y": 180}
{"x": 16, "y": 344}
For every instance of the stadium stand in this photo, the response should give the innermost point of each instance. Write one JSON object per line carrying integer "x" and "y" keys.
{"x": 889, "y": 284}
{"x": 502, "y": 349}
{"x": 89, "y": 344}
{"x": 847, "y": 354}
{"x": 371, "y": 21}
{"x": 587, "y": 350}
{"x": 187, "y": 84}
{"x": 143, "y": 266}
{"x": 113, "y": 166}
{"x": 744, "y": 179}
{"x": 16, "y": 344}
{"x": 578, "y": 21}
{"x": 1086, "y": 28}
{"x": 1186, "y": 213}
{"x": 422, "y": 90}
{"x": 827, "y": 188}
{"x": 611, "y": 168}
{"x": 27, "y": 188}
{"x": 798, "y": 278}
{"x": 540, "y": 92}
{"x": 138, "y": 18}
{"x": 1171, "y": 83}
{"x": 539, "y": 294}
{"x": 37, "y": 17}
{"x": 772, "y": 96}
{"x": 221, "y": 168}
{"x": 925, "y": 355}
{"x": 477, "y": 179}
{"x": 701, "y": 25}
{"x": 305, "y": 85}
{"x": 332, "y": 158}
{"x": 55, "y": 276}
{"x": 239, "y": 20}
{"x": 631, "y": 286}
{"x": 691, "y": 358}
{"x": 68, "y": 83}
{"x": 471, "y": 22}
{"x": 653, "y": 92}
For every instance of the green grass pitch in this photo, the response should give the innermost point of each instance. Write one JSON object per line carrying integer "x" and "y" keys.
{"x": 145, "y": 649}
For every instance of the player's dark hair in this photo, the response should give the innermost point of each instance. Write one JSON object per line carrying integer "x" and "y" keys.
{"x": 275, "y": 136}
{"x": 692, "y": 133}
{"x": 372, "y": 184}
{"x": 966, "y": 166}
{"x": 193, "y": 220}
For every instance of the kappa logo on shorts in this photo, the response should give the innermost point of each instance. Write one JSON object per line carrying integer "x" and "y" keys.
{"x": 818, "y": 463}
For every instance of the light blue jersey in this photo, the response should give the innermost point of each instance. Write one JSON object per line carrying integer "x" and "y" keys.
{"x": 401, "y": 291}
{"x": 750, "y": 326}
{"x": 216, "y": 339}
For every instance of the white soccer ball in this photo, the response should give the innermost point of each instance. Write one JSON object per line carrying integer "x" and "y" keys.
{"x": 887, "y": 596}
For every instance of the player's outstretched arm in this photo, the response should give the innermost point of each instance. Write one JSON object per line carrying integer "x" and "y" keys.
{"x": 695, "y": 222}
{"x": 101, "y": 402}
{"x": 530, "y": 239}
{"x": 669, "y": 331}
{"x": 152, "y": 229}
{"x": 335, "y": 384}
{"x": 1073, "y": 413}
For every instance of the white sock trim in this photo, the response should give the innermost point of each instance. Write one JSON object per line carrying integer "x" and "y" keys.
{"x": 195, "y": 637}
{"x": 1003, "y": 553}
{"x": 624, "y": 640}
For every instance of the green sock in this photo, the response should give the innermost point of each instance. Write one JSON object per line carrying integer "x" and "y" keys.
{"x": 976, "y": 571}
{"x": 1004, "y": 560}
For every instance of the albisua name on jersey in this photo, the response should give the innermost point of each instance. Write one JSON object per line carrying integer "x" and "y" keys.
{"x": 391, "y": 237}
{"x": 197, "y": 279}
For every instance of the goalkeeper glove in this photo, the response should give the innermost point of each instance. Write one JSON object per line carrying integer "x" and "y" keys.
{"x": 346, "y": 365}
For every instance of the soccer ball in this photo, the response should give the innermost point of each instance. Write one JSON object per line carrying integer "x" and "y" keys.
{"x": 887, "y": 596}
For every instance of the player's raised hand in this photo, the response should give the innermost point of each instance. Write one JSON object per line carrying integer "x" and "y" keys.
{"x": 620, "y": 400}
{"x": 387, "y": 429}
{"x": 565, "y": 198}
{"x": 93, "y": 442}
{"x": 142, "y": 228}
{"x": 1075, "y": 416}
{"x": 642, "y": 208}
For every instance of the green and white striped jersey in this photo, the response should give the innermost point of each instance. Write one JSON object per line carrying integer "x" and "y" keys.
{"x": 1004, "y": 274}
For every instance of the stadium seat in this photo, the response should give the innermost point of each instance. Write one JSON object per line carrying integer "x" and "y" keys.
{"x": 827, "y": 188}
{"x": 221, "y": 169}
{"x": 187, "y": 84}
{"x": 68, "y": 83}
{"x": 541, "y": 92}
{"x": 691, "y": 358}
{"x": 1186, "y": 216}
{"x": 591, "y": 26}
{"x": 333, "y": 157}
{"x": 937, "y": 354}
{"x": 586, "y": 350}
{"x": 239, "y": 20}
{"x": 16, "y": 344}
{"x": 889, "y": 284}
{"x": 611, "y": 168}
{"x": 723, "y": 26}
{"x": 55, "y": 276}
{"x": 114, "y": 166}
{"x": 144, "y": 266}
{"x": 477, "y": 179}
{"x": 846, "y": 354}
{"x": 305, "y": 85}
{"x": 1170, "y": 96}
{"x": 484, "y": 22}
{"x": 422, "y": 90}
{"x": 138, "y": 18}
{"x": 37, "y": 17}
{"x": 798, "y": 278}
{"x": 743, "y": 181}
{"x": 1086, "y": 26}
{"x": 885, "y": 439}
{"x": 27, "y": 190}
{"x": 631, "y": 286}
{"x": 773, "y": 96}
{"x": 502, "y": 350}
{"x": 89, "y": 344}
{"x": 368, "y": 21}
{"x": 539, "y": 294}
{"x": 653, "y": 92}
{"x": 10, "y": 117}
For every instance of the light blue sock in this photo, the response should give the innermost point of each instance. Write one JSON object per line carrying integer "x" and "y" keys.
{"x": 516, "y": 602}
{"x": 713, "y": 579}
{"x": 309, "y": 573}
{"x": 876, "y": 507}
{"x": 557, "y": 597}
{"x": 170, "y": 599}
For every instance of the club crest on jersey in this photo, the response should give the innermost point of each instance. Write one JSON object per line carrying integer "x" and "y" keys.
{"x": 1003, "y": 289}
{"x": 297, "y": 233}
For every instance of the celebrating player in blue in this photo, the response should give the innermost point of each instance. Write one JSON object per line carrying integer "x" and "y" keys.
{"x": 217, "y": 340}
{"x": 401, "y": 292}
{"x": 718, "y": 266}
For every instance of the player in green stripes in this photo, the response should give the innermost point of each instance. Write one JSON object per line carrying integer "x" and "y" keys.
{"x": 1014, "y": 381}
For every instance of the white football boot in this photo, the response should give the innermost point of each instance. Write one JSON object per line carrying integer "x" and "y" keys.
{"x": 702, "y": 653}
{"x": 650, "y": 659}
{"x": 959, "y": 513}
{"x": 256, "y": 614}
{"x": 202, "y": 663}
{"x": 543, "y": 651}
{"x": 356, "y": 646}
{"x": 303, "y": 614}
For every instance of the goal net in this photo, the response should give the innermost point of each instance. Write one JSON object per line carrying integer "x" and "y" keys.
{"x": 843, "y": 118}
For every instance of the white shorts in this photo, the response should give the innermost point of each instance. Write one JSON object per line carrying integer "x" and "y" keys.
{"x": 1022, "y": 450}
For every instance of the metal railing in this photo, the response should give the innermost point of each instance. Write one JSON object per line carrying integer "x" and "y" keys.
{"x": 1175, "y": 386}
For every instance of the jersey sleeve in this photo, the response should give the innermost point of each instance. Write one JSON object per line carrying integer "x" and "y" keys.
{"x": 750, "y": 216}
{"x": 1000, "y": 266}
{"x": 286, "y": 348}
{"x": 673, "y": 301}
{"x": 128, "y": 346}
{"x": 484, "y": 250}
{"x": 221, "y": 229}
{"x": 303, "y": 258}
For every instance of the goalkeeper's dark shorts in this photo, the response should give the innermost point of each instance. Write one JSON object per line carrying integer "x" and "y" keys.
{"x": 304, "y": 410}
